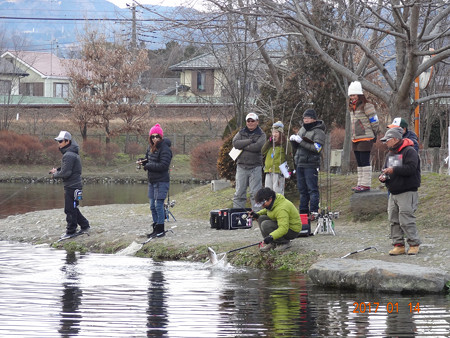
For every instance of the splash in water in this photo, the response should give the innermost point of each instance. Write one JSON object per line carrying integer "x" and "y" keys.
{"x": 216, "y": 260}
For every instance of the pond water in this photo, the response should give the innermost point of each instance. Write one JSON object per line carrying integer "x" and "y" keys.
{"x": 50, "y": 293}
{"x": 16, "y": 198}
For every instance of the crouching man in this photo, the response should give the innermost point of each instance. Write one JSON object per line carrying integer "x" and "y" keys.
{"x": 279, "y": 220}
{"x": 401, "y": 174}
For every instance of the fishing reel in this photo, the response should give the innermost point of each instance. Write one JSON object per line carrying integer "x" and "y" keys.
{"x": 170, "y": 204}
{"x": 140, "y": 162}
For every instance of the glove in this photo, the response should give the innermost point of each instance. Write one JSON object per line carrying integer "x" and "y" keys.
{"x": 296, "y": 138}
{"x": 253, "y": 215}
{"x": 268, "y": 239}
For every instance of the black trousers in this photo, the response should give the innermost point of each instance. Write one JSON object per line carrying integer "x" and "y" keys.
{"x": 73, "y": 214}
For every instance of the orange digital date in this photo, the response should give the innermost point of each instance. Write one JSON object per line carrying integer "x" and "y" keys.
{"x": 390, "y": 307}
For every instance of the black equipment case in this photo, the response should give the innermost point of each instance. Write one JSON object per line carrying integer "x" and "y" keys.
{"x": 230, "y": 219}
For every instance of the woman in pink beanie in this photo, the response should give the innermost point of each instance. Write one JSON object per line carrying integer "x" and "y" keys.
{"x": 157, "y": 163}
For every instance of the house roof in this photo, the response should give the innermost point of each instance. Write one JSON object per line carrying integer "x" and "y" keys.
{"x": 7, "y": 68}
{"x": 45, "y": 64}
{"x": 204, "y": 61}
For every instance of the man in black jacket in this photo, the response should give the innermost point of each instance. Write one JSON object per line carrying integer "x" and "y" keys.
{"x": 401, "y": 174}
{"x": 70, "y": 172}
{"x": 308, "y": 145}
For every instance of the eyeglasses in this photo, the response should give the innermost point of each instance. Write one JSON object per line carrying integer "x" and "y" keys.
{"x": 155, "y": 136}
{"x": 61, "y": 141}
{"x": 250, "y": 120}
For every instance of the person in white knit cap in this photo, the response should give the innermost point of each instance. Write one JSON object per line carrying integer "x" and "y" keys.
{"x": 364, "y": 129}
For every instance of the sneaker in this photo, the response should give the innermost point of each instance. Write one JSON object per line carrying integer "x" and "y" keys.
{"x": 267, "y": 247}
{"x": 362, "y": 188}
{"x": 398, "y": 250}
{"x": 283, "y": 247}
{"x": 413, "y": 250}
{"x": 356, "y": 187}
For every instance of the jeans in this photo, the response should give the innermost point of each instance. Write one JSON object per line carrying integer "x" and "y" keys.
{"x": 251, "y": 178}
{"x": 73, "y": 214}
{"x": 157, "y": 193}
{"x": 307, "y": 184}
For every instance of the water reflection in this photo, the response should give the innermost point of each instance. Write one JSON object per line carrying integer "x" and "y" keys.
{"x": 49, "y": 293}
{"x": 71, "y": 298}
{"x": 157, "y": 319}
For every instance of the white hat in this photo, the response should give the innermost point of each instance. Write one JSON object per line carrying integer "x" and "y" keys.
{"x": 251, "y": 116}
{"x": 63, "y": 135}
{"x": 355, "y": 88}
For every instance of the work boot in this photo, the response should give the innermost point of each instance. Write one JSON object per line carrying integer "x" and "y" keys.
{"x": 413, "y": 250}
{"x": 267, "y": 247}
{"x": 284, "y": 246}
{"x": 153, "y": 233}
{"x": 398, "y": 250}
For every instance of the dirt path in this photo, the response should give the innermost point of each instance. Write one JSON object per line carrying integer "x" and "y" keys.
{"x": 116, "y": 226}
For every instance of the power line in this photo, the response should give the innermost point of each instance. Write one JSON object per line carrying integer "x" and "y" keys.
{"x": 87, "y": 19}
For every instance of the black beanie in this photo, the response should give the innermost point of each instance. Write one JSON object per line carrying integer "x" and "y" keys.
{"x": 310, "y": 113}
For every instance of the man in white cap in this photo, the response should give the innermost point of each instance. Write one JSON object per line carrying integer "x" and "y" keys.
{"x": 70, "y": 173}
{"x": 401, "y": 174}
{"x": 250, "y": 140}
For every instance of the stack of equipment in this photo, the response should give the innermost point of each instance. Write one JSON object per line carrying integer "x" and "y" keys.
{"x": 230, "y": 219}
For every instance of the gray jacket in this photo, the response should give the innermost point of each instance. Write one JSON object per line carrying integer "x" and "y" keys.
{"x": 251, "y": 143}
{"x": 70, "y": 170}
{"x": 308, "y": 151}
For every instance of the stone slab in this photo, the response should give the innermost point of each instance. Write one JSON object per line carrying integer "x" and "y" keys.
{"x": 378, "y": 276}
{"x": 365, "y": 205}
{"x": 217, "y": 185}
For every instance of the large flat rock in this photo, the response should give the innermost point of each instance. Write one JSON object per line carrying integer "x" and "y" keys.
{"x": 366, "y": 205}
{"x": 378, "y": 276}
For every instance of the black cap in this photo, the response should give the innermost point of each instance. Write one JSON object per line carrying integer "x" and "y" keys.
{"x": 310, "y": 113}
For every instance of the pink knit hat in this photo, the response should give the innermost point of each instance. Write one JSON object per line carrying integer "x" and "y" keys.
{"x": 156, "y": 129}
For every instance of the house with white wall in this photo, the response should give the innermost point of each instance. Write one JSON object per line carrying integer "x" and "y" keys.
{"x": 47, "y": 74}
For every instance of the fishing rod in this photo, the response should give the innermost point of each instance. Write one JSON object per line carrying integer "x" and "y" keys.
{"x": 351, "y": 253}
{"x": 244, "y": 247}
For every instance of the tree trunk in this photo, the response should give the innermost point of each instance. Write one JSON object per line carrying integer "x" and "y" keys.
{"x": 346, "y": 153}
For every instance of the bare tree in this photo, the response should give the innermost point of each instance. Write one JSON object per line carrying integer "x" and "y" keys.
{"x": 106, "y": 89}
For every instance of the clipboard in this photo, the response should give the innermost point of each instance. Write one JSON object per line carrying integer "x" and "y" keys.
{"x": 234, "y": 153}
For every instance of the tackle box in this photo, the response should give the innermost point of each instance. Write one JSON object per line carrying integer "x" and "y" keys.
{"x": 230, "y": 219}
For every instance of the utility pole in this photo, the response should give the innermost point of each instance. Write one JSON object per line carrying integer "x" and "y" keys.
{"x": 133, "y": 27}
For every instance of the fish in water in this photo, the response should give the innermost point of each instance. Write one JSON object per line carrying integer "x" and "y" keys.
{"x": 212, "y": 256}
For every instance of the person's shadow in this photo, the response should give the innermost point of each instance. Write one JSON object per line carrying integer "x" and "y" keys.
{"x": 71, "y": 298}
{"x": 157, "y": 306}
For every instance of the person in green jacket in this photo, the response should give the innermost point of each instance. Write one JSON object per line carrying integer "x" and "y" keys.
{"x": 277, "y": 151}
{"x": 279, "y": 220}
